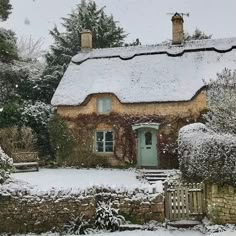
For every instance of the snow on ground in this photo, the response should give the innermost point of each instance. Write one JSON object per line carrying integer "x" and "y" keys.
{"x": 161, "y": 232}
{"x": 81, "y": 179}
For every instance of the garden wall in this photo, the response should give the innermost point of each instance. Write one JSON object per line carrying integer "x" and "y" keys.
{"x": 221, "y": 204}
{"x": 21, "y": 212}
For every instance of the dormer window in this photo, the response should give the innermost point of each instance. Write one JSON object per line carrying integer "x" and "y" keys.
{"x": 103, "y": 105}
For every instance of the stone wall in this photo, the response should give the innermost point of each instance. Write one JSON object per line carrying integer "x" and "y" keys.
{"x": 170, "y": 115}
{"x": 221, "y": 204}
{"x": 182, "y": 109}
{"x": 21, "y": 212}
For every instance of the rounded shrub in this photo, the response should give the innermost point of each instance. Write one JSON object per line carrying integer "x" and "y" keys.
{"x": 207, "y": 156}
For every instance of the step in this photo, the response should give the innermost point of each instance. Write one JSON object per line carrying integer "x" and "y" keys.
{"x": 161, "y": 173}
{"x": 130, "y": 227}
{"x": 153, "y": 176}
{"x": 155, "y": 179}
{"x": 183, "y": 223}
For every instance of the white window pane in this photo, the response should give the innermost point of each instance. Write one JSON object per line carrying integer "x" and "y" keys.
{"x": 104, "y": 105}
{"x": 100, "y": 105}
{"x": 107, "y": 105}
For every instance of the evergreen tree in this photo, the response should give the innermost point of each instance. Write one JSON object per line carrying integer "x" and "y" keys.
{"x": 105, "y": 31}
{"x": 8, "y": 49}
{"x": 197, "y": 35}
{"x": 134, "y": 43}
{"x": 221, "y": 99}
{"x": 5, "y": 9}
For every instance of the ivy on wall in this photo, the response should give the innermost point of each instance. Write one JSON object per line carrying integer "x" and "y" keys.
{"x": 82, "y": 130}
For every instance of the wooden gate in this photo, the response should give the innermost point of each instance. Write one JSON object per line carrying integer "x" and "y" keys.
{"x": 184, "y": 201}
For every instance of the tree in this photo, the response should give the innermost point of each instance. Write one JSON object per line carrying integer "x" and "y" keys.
{"x": 134, "y": 43}
{"x": 221, "y": 99}
{"x": 197, "y": 35}
{"x": 18, "y": 81}
{"x": 8, "y": 49}
{"x": 28, "y": 48}
{"x": 5, "y": 9}
{"x": 105, "y": 31}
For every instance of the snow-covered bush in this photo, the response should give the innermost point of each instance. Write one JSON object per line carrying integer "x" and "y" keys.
{"x": 6, "y": 165}
{"x": 107, "y": 217}
{"x": 15, "y": 139}
{"x": 207, "y": 156}
{"x": 78, "y": 226}
{"x": 37, "y": 114}
{"x": 221, "y": 102}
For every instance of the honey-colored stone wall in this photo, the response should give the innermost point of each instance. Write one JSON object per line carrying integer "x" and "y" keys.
{"x": 182, "y": 109}
{"x": 171, "y": 115}
{"x": 221, "y": 204}
{"x": 25, "y": 213}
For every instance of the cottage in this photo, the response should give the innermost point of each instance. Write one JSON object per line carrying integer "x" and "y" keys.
{"x": 126, "y": 105}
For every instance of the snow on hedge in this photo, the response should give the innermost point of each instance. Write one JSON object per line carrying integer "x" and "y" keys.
{"x": 6, "y": 165}
{"x": 207, "y": 156}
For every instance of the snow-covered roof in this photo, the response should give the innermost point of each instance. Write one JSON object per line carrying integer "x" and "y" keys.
{"x": 157, "y": 73}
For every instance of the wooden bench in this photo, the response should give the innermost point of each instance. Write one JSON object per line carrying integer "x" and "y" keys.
{"x": 24, "y": 161}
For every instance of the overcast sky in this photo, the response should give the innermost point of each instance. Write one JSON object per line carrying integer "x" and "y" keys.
{"x": 143, "y": 19}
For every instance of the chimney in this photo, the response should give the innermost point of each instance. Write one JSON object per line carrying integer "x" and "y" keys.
{"x": 177, "y": 29}
{"x": 86, "y": 40}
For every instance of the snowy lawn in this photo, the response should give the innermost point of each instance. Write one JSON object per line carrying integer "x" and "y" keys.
{"x": 160, "y": 232}
{"x": 163, "y": 232}
{"x": 81, "y": 179}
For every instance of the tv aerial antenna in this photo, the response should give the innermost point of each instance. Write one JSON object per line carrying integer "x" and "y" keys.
{"x": 187, "y": 14}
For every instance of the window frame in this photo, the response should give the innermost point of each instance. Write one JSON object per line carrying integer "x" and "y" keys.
{"x": 104, "y": 99}
{"x": 104, "y": 142}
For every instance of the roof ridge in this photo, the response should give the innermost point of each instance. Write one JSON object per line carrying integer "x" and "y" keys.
{"x": 127, "y": 53}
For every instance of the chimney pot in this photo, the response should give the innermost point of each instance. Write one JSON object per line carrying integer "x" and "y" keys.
{"x": 86, "y": 40}
{"x": 177, "y": 29}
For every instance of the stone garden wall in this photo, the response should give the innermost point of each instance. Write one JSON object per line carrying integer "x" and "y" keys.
{"x": 221, "y": 204}
{"x": 22, "y": 212}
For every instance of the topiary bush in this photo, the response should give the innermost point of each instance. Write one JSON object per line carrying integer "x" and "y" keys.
{"x": 6, "y": 166}
{"x": 207, "y": 156}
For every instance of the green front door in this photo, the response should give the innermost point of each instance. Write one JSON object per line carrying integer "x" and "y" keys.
{"x": 147, "y": 147}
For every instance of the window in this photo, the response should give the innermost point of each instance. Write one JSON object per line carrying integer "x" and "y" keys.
{"x": 104, "y": 105}
{"x": 104, "y": 141}
{"x": 148, "y": 138}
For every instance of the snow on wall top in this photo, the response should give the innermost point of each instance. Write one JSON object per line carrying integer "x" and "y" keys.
{"x": 161, "y": 73}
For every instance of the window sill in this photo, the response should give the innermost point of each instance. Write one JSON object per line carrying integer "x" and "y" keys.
{"x": 104, "y": 153}
{"x": 105, "y": 113}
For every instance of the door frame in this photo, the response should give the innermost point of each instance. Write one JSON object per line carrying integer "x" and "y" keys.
{"x": 137, "y": 128}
